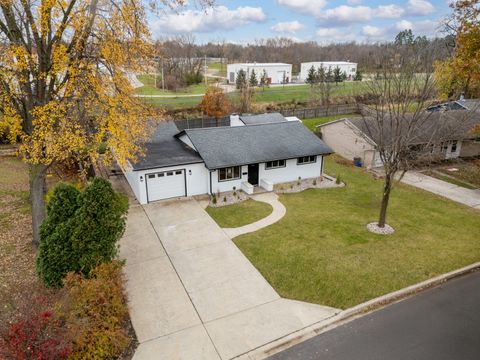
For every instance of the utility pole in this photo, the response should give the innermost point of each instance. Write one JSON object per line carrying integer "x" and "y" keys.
{"x": 205, "y": 70}
{"x": 163, "y": 78}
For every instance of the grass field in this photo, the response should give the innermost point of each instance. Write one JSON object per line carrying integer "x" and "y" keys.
{"x": 150, "y": 89}
{"x": 321, "y": 251}
{"x": 312, "y": 123}
{"x": 219, "y": 68}
{"x": 276, "y": 94}
{"x": 237, "y": 215}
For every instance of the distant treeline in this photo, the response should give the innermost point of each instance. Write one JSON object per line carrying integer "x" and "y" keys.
{"x": 289, "y": 51}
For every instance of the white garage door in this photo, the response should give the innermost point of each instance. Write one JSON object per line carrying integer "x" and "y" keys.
{"x": 166, "y": 184}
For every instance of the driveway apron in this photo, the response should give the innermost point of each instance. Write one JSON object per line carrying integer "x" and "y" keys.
{"x": 193, "y": 294}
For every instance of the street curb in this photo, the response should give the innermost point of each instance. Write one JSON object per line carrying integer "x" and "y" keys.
{"x": 350, "y": 314}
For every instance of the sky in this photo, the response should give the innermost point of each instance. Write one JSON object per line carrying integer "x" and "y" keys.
{"x": 324, "y": 21}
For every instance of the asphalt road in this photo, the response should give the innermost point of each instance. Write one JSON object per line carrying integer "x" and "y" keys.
{"x": 438, "y": 324}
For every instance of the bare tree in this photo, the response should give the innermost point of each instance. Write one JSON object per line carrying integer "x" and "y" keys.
{"x": 396, "y": 119}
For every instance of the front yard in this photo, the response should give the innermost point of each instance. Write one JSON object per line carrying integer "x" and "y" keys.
{"x": 321, "y": 252}
{"x": 244, "y": 213}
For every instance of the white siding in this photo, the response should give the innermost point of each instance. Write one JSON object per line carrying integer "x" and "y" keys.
{"x": 274, "y": 71}
{"x": 291, "y": 171}
{"x": 196, "y": 178}
{"x": 185, "y": 139}
{"x": 221, "y": 186}
{"x": 453, "y": 154}
{"x": 133, "y": 180}
{"x": 348, "y": 67}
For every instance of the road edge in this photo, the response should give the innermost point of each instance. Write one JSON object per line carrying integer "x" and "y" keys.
{"x": 352, "y": 313}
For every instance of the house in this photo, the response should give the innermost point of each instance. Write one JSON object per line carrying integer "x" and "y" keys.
{"x": 277, "y": 73}
{"x": 348, "y": 137}
{"x": 460, "y": 104}
{"x": 349, "y": 68}
{"x": 262, "y": 152}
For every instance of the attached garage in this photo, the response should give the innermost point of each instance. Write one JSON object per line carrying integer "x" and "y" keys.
{"x": 165, "y": 185}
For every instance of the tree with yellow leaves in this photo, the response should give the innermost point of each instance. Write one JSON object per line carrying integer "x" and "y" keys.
{"x": 461, "y": 73}
{"x": 64, "y": 86}
{"x": 215, "y": 103}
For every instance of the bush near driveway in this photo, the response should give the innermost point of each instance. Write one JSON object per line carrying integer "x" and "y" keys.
{"x": 95, "y": 310}
{"x": 321, "y": 251}
{"x": 81, "y": 230}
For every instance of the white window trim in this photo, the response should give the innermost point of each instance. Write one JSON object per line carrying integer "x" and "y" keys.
{"x": 307, "y": 162}
{"x": 275, "y": 167}
{"x": 234, "y": 178}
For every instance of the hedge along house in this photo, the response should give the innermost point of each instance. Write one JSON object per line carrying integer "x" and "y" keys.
{"x": 212, "y": 160}
{"x": 277, "y": 73}
{"x": 446, "y": 135}
{"x": 349, "y": 68}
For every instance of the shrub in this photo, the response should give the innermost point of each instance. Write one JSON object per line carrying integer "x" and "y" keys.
{"x": 224, "y": 199}
{"x": 81, "y": 230}
{"x": 214, "y": 199}
{"x": 299, "y": 179}
{"x": 95, "y": 309}
{"x": 36, "y": 334}
{"x": 97, "y": 225}
{"x": 193, "y": 78}
{"x": 314, "y": 182}
{"x": 338, "y": 180}
{"x": 56, "y": 256}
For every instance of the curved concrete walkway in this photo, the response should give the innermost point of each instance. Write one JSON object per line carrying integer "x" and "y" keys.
{"x": 277, "y": 213}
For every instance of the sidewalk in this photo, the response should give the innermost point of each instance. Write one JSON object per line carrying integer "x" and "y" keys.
{"x": 277, "y": 213}
{"x": 451, "y": 191}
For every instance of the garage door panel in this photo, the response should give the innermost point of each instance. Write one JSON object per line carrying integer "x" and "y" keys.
{"x": 166, "y": 184}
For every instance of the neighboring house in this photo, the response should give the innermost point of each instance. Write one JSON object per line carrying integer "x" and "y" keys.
{"x": 349, "y": 68}
{"x": 277, "y": 73}
{"x": 348, "y": 137}
{"x": 460, "y": 104}
{"x": 213, "y": 160}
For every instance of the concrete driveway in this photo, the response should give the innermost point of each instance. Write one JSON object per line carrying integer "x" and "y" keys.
{"x": 192, "y": 293}
{"x": 451, "y": 191}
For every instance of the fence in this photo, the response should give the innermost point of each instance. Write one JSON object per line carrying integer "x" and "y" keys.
{"x": 201, "y": 123}
{"x": 309, "y": 113}
{"x": 305, "y": 113}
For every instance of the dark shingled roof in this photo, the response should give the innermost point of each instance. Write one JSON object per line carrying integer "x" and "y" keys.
{"x": 164, "y": 149}
{"x": 436, "y": 126}
{"x": 241, "y": 145}
{"x": 262, "y": 118}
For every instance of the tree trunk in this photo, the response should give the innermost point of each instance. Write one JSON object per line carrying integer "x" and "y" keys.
{"x": 387, "y": 188}
{"x": 37, "y": 199}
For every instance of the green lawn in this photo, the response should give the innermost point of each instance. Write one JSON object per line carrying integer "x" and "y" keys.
{"x": 321, "y": 252}
{"x": 220, "y": 68}
{"x": 244, "y": 213}
{"x": 311, "y": 123}
{"x": 150, "y": 89}
{"x": 277, "y": 94}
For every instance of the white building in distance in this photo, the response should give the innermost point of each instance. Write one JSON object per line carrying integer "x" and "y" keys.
{"x": 276, "y": 72}
{"x": 345, "y": 66}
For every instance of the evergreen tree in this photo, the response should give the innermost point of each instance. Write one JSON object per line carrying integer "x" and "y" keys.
{"x": 344, "y": 76}
{"x": 320, "y": 76}
{"x": 99, "y": 223}
{"x": 241, "y": 79}
{"x": 264, "y": 79}
{"x": 358, "y": 76}
{"x": 55, "y": 257}
{"x": 253, "y": 79}
{"x": 312, "y": 76}
{"x": 337, "y": 75}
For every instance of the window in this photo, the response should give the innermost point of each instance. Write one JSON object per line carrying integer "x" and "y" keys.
{"x": 306, "y": 159}
{"x": 178, "y": 172}
{"x": 170, "y": 173}
{"x": 229, "y": 173}
{"x": 161, "y": 175}
{"x": 454, "y": 147}
{"x": 151, "y": 176}
{"x": 274, "y": 164}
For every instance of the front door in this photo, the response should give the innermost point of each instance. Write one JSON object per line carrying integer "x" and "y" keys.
{"x": 253, "y": 174}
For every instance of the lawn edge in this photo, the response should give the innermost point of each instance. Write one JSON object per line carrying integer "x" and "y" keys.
{"x": 352, "y": 313}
